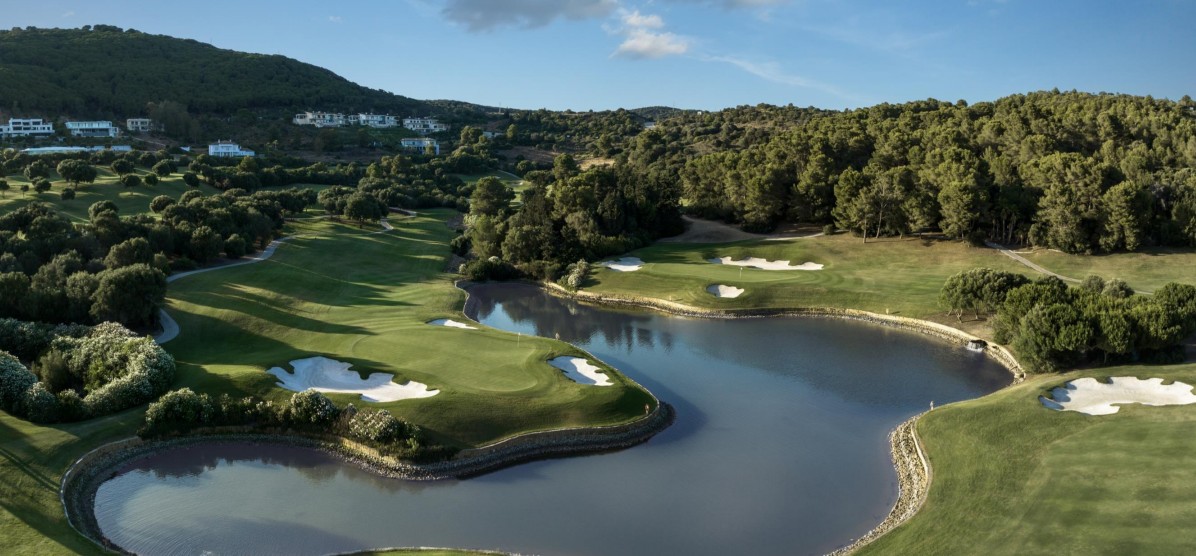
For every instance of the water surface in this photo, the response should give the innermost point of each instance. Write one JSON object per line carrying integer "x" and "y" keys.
{"x": 780, "y": 447}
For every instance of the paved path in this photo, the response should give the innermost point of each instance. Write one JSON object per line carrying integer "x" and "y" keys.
{"x": 170, "y": 328}
{"x": 1028, "y": 262}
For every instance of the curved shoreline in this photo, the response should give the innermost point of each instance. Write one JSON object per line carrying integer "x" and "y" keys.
{"x": 82, "y": 480}
{"x": 910, "y": 462}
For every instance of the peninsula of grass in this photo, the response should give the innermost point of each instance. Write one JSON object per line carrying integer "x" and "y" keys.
{"x": 891, "y": 276}
{"x": 354, "y": 295}
{"x": 1012, "y": 477}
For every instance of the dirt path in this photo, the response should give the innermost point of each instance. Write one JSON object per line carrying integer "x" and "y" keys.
{"x": 1028, "y": 263}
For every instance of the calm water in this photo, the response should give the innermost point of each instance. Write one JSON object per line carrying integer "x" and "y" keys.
{"x": 780, "y": 447}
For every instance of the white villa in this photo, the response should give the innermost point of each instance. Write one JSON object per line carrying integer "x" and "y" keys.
{"x": 424, "y": 125}
{"x": 92, "y": 129}
{"x": 332, "y": 119}
{"x": 420, "y": 143}
{"x": 26, "y": 127}
{"x": 228, "y": 149}
{"x": 139, "y": 124}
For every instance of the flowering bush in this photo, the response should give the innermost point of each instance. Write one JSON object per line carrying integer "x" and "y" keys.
{"x": 311, "y": 408}
{"x": 377, "y": 426}
{"x": 15, "y": 379}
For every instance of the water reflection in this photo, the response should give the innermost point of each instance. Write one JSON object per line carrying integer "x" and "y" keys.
{"x": 780, "y": 447}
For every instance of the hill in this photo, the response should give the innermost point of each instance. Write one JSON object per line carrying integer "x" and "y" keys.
{"x": 104, "y": 71}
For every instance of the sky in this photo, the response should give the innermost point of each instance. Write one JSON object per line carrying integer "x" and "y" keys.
{"x": 703, "y": 54}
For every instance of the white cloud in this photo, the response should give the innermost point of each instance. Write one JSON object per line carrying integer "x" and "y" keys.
{"x": 69, "y": 14}
{"x": 642, "y": 43}
{"x": 635, "y": 19}
{"x": 335, "y": 18}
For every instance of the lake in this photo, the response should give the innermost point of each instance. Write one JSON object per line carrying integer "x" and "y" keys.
{"x": 780, "y": 447}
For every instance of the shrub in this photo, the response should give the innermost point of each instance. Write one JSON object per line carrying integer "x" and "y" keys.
{"x": 15, "y": 379}
{"x": 41, "y": 406}
{"x": 176, "y": 411}
{"x": 377, "y": 426}
{"x": 234, "y": 247}
{"x": 310, "y": 407}
{"x": 68, "y": 194}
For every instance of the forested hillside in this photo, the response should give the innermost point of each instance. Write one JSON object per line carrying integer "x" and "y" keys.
{"x": 104, "y": 71}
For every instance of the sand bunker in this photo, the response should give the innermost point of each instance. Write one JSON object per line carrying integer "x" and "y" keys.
{"x": 1087, "y": 395}
{"x": 719, "y": 290}
{"x": 580, "y": 371}
{"x": 328, "y": 375}
{"x": 626, "y": 264}
{"x": 451, "y": 324}
{"x": 764, "y": 264}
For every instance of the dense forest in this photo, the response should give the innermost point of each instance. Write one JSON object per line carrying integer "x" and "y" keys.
{"x": 1073, "y": 171}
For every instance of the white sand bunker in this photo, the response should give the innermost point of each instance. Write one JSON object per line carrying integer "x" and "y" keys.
{"x": 626, "y": 264}
{"x": 328, "y": 375}
{"x": 580, "y": 371}
{"x": 451, "y": 324}
{"x": 765, "y": 264}
{"x": 719, "y": 290}
{"x": 1087, "y": 395}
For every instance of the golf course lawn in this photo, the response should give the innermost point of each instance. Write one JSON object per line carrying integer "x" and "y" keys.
{"x": 1147, "y": 270}
{"x": 1012, "y": 477}
{"x": 895, "y": 276}
{"x": 107, "y": 187}
{"x": 365, "y": 298}
{"x": 510, "y": 180}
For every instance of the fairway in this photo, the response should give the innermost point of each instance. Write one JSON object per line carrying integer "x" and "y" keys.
{"x": 1012, "y": 477}
{"x": 365, "y": 298}
{"x": 892, "y": 276}
{"x": 1145, "y": 271}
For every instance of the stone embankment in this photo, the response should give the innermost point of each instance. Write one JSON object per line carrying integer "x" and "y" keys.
{"x": 83, "y": 479}
{"x": 913, "y": 480}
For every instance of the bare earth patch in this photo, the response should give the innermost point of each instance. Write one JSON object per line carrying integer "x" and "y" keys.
{"x": 764, "y": 264}
{"x": 451, "y": 324}
{"x": 580, "y": 371}
{"x": 720, "y": 290}
{"x": 1091, "y": 397}
{"x": 331, "y": 376}
{"x": 625, "y": 264}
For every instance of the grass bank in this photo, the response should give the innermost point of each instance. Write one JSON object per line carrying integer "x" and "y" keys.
{"x": 1012, "y": 477}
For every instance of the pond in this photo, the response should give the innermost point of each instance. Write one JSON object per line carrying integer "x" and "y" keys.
{"x": 780, "y": 447}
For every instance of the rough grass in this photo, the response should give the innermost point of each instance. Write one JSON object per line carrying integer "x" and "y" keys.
{"x": 107, "y": 187}
{"x": 1145, "y": 271}
{"x": 895, "y": 276}
{"x": 363, "y": 297}
{"x": 1011, "y": 477}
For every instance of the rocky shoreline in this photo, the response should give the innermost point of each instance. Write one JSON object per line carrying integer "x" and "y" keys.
{"x": 913, "y": 469}
{"x": 996, "y": 352}
{"x": 81, "y": 482}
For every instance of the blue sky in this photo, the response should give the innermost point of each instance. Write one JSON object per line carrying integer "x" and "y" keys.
{"x": 600, "y": 54}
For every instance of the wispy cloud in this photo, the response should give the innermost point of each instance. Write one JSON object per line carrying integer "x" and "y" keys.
{"x": 486, "y": 15}
{"x": 335, "y": 18}
{"x": 772, "y": 71}
{"x": 69, "y": 14}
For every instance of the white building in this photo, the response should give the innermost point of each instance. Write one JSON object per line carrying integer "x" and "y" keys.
{"x": 320, "y": 119}
{"x": 92, "y": 129}
{"x": 424, "y": 125}
{"x": 228, "y": 149}
{"x": 492, "y": 134}
{"x": 420, "y": 143}
{"x": 139, "y": 125}
{"x": 377, "y": 120}
{"x": 26, "y": 127}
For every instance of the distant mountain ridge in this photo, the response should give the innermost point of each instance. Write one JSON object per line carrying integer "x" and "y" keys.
{"x": 103, "y": 71}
